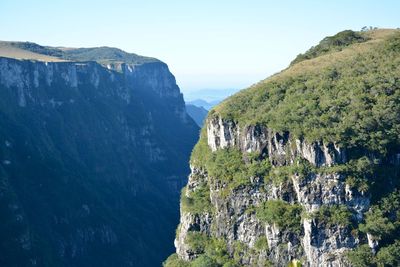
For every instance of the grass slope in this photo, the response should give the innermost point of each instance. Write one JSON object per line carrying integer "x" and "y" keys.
{"x": 103, "y": 55}
{"x": 350, "y": 96}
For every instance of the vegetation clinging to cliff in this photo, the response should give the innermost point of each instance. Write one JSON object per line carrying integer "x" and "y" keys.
{"x": 350, "y": 97}
{"x": 382, "y": 222}
{"x": 383, "y": 219}
{"x": 198, "y": 201}
{"x": 229, "y": 166}
{"x": 347, "y": 94}
{"x": 282, "y": 214}
{"x": 333, "y": 215}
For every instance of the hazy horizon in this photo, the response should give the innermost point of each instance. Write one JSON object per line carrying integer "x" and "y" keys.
{"x": 207, "y": 44}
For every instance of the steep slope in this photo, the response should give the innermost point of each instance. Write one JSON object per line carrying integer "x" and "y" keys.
{"x": 91, "y": 158}
{"x": 303, "y": 167}
{"x": 198, "y": 114}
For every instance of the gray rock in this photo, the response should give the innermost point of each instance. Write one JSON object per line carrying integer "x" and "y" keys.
{"x": 319, "y": 244}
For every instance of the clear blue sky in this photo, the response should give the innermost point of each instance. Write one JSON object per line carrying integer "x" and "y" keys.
{"x": 208, "y": 43}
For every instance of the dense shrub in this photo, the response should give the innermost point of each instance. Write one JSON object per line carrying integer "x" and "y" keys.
{"x": 389, "y": 255}
{"x": 361, "y": 256}
{"x": 351, "y": 98}
{"x": 283, "y": 214}
{"x": 261, "y": 244}
{"x": 203, "y": 261}
{"x": 333, "y": 215}
{"x": 331, "y": 44}
{"x": 213, "y": 251}
{"x": 175, "y": 261}
{"x": 228, "y": 165}
{"x": 198, "y": 201}
{"x": 197, "y": 241}
{"x": 386, "y": 256}
{"x": 383, "y": 219}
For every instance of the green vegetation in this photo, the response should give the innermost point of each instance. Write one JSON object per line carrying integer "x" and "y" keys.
{"x": 333, "y": 215}
{"x": 377, "y": 224}
{"x": 217, "y": 250}
{"x": 345, "y": 90}
{"x": 240, "y": 249}
{"x": 261, "y": 244}
{"x": 358, "y": 173}
{"x": 203, "y": 261}
{"x": 105, "y": 55}
{"x": 366, "y": 175}
{"x": 35, "y": 48}
{"x": 258, "y": 168}
{"x": 281, "y": 174}
{"x": 201, "y": 152}
{"x": 350, "y": 97}
{"x": 383, "y": 223}
{"x": 386, "y": 256}
{"x": 197, "y": 241}
{"x": 228, "y": 165}
{"x": 213, "y": 252}
{"x": 198, "y": 200}
{"x": 234, "y": 169}
{"x": 361, "y": 256}
{"x": 383, "y": 219}
{"x": 389, "y": 255}
{"x": 102, "y": 55}
{"x": 175, "y": 261}
{"x": 332, "y": 44}
{"x": 284, "y": 215}
{"x": 29, "y": 51}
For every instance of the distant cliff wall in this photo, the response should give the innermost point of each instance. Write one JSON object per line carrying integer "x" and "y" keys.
{"x": 92, "y": 161}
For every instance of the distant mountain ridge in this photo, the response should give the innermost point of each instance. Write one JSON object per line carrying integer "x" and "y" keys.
{"x": 203, "y": 103}
{"x": 209, "y": 95}
{"x": 102, "y": 55}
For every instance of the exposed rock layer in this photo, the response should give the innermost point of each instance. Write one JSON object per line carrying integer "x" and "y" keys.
{"x": 318, "y": 244}
{"x": 92, "y": 159}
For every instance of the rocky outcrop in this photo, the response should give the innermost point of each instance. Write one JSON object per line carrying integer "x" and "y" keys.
{"x": 281, "y": 149}
{"x": 126, "y": 78}
{"x": 189, "y": 223}
{"x": 234, "y": 219}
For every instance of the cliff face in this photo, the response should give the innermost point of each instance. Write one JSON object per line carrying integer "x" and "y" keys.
{"x": 92, "y": 160}
{"x": 317, "y": 245}
{"x": 273, "y": 183}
